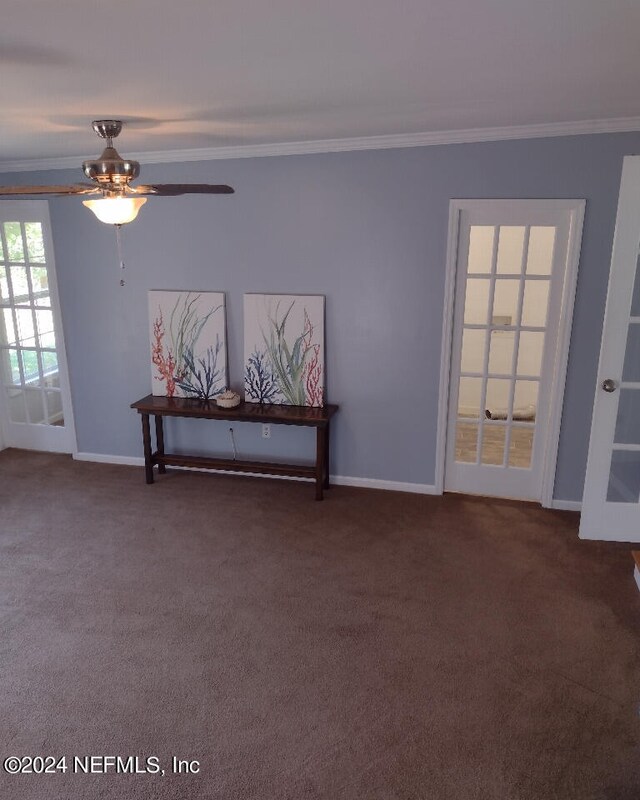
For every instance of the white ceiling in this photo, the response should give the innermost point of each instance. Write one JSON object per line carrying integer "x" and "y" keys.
{"x": 209, "y": 73}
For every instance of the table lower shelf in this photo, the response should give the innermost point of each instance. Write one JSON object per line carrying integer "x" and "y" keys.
{"x": 258, "y": 467}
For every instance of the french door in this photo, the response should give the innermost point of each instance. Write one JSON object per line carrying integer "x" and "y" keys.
{"x": 35, "y": 404}
{"x": 515, "y": 269}
{"x": 611, "y": 501}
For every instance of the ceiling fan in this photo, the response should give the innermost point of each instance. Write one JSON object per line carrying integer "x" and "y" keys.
{"x": 119, "y": 201}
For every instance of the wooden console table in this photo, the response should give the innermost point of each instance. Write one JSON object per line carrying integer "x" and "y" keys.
{"x": 160, "y": 407}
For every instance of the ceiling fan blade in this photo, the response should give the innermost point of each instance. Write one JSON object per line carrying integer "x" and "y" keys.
{"x": 173, "y": 189}
{"x": 51, "y": 191}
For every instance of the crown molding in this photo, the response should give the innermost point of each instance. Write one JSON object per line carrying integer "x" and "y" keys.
{"x": 467, "y": 136}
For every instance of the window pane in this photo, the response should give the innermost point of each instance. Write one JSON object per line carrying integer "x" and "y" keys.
{"x": 624, "y": 477}
{"x": 19, "y": 284}
{"x": 497, "y": 402}
{"x": 505, "y": 301}
{"x": 530, "y": 353}
{"x": 4, "y": 285}
{"x": 469, "y": 397}
{"x": 9, "y": 370}
{"x": 40, "y": 284}
{"x": 525, "y": 401}
{"x": 466, "y": 442}
{"x": 540, "y": 253}
{"x": 520, "y": 447}
{"x": 35, "y": 242}
{"x": 473, "y": 350}
{"x": 480, "y": 248}
{"x": 30, "y": 365}
{"x": 35, "y": 407}
{"x": 534, "y": 305}
{"x": 510, "y": 246}
{"x": 635, "y": 301}
{"x": 54, "y": 407}
{"x": 26, "y": 334}
{"x": 631, "y": 369}
{"x": 49, "y": 361}
{"x": 476, "y": 304}
{"x": 7, "y": 328}
{"x": 13, "y": 235}
{"x": 628, "y": 419}
{"x": 16, "y": 405}
{"x": 493, "y": 439}
{"x": 44, "y": 319}
{"x": 501, "y": 352}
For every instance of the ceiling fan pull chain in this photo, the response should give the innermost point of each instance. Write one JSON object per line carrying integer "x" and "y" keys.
{"x": 120, "y": 256}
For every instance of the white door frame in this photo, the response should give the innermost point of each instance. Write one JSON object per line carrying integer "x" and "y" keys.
{"x": 41, "y": 212}
{"x": 576, "y": 212}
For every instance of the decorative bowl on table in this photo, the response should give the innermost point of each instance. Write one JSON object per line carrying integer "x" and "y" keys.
{"x": 228, "y": 399}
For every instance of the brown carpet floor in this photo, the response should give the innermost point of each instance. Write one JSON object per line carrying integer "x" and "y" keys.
{"x": 374, "y": 646}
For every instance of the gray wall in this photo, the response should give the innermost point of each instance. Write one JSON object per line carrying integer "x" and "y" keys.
{"x": 368, "y": 230}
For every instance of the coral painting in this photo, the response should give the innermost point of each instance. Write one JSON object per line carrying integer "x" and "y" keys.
{"x": 284, "y": 349}
{"x": 188, "y": 344}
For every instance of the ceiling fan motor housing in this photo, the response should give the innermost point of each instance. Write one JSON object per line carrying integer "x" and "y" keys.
{"x": 111, "y": 168}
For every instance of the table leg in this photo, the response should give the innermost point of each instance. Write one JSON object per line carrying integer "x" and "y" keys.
{"x": 326, "y": 457}
{"x": 320, "y": 461}
{"x": 160, "y": 443}
{"x": 146, "y": 442}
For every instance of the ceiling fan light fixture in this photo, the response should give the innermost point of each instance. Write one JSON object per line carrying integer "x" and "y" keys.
{"x": 116, "y": 210}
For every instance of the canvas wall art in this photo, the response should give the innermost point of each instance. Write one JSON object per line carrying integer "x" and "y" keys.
{"x": 284, "y": 349}
{"x": 188, "y": 344}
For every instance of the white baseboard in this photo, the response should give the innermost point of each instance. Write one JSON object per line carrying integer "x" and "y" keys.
{"x": 392, "y": 486}
{"x": 338, "y": 480}
{"x": 100, "y": 458}
{"x": 566, "y": 505}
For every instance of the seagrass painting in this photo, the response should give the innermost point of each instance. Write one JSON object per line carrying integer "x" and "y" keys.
{"x": 188, "y": 344}
{"x": 284, "y": 349}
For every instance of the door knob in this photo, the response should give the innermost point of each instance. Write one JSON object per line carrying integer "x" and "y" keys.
{"x": 609, "y": 385}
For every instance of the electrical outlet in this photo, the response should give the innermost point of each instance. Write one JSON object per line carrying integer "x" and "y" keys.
{"x": 266, "y": 431}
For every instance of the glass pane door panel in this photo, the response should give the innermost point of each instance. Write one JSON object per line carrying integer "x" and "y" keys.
{"x": 493, "y": 439}
{"x": 501, "y": 352}
{"x": 476, "y": 304}
{"x": 631, "y": 369}
{"x": 473, "y": 342}
{"x": 480, "y": 248}
{"x": 520, "y": 447}
{"x": 497, "y": 402}
{"x": 525, "y": 400}
{"x": 466, "y": 442}
{"x": 28, "y": 357}
{"x": 510, "y": 245}
{"x": 540, "y": 253}
{"x": 535, "y": 303}
{"x": 624, "y": 477}
{"x": 628, "y": 419}
{"x": 470, "y": 398}
{"x": 530, "y": 353}
{"x": 505, "y": 301}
